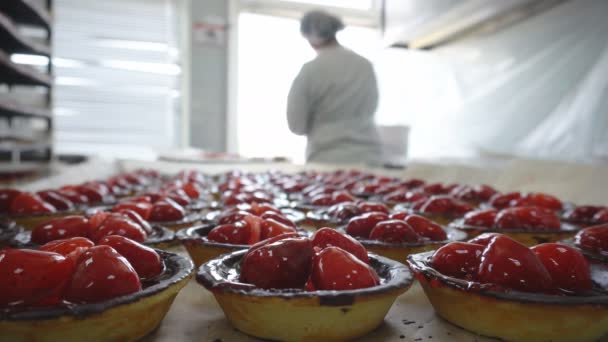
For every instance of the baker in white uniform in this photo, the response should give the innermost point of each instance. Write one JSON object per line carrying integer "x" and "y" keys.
{"x": 334, "y": 98}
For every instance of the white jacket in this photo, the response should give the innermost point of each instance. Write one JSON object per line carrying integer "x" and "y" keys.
{"x": 333, "y": 101}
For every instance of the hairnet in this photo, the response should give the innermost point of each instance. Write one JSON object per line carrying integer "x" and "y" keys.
{"x": 319, "y": 26}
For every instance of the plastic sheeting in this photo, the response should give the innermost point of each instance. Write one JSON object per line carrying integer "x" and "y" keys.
{"x": 536, "y": 89}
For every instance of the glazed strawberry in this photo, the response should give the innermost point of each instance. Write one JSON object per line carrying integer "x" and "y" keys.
{"x": 271, "y": 228}
{"x": 61, "y": 228}
{"x": 344, "y": 211}
{"x": 97, "y": 219}
{"x": 538, "y": 200}
{"x": 507, "y": 263}
{"x": 92, "y": 194}
{"x": 326, "y": 237}
{"x": 482, "y": 218}
{"x": 368, "y": 207}
{"x": 426, "y": 228}
{"x": 601, "y": 216}
{"x": 238, "y": 233}
{"x": 501, "y": 201}
{"x": 474, "y": 193}
{"x": 279, "y": 218}
{"x": 527, "y": 218}
{"x": 57, "y": 200}
{"x": 458, "y": 259}
{"x": 401, "y": 215}
{"x": 26, "y": 204}
{"x": 135, "y": 217}
{"x": 341, "y": 197}
{"x": 231, "y": 216}
{"x": 484, "y": 239}
{"x": 594, "y": 239}
{"x": 583, "y": 213}
{"x": 71, "y": 248}
{"x": 192, "y": 190}
{"x": 142, "y": 208}
{"x": 178, "y": 196}
{"x": 146, "y": 262}
{"x": 394, "y": 231}
{"x": 118, "y": 224}
{"x": 361, "y": 226}
{"x": 322, "y": 200}
{"x": 32, "y": 278}
{"x": 74, "y": 196}
{"x": 102, "y": 274}
{"x": 568, "y": 267}
{"x": 167, "y": 210}
{"x": 446, "y": 206}
{"x": 6, "y": 198}
{"x": 282, "y": 264}
{"x": 271, "y": 240}
{"x": 439, "y": 188}
{"x": 336, "y": 269}
{"x": 261, "y": 208}
{"x": 66, "y": 246}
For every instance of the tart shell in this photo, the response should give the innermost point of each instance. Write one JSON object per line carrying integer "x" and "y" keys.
{"x": 126, "y": 318}
{"x": 513, "y": 316}
{"x": 29, "y": 222}
{"x": 296, "y": 315}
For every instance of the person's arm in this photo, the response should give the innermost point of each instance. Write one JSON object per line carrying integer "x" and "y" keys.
{"x": 298, "y": 105}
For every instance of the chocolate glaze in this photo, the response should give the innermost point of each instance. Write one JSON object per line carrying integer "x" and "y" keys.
{"x": 222, "y": 274}
{"x": 159, "y": 235}
{"x": 590, "y": 254}
{"x": 565, "y": 228}
{"x": 420, "y": 263}
{"x": 177, "y": 268}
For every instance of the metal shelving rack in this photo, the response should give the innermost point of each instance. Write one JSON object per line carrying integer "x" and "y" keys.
{"x": 26, "y": 120}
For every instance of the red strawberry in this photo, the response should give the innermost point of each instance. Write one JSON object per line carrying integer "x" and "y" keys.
{"x": 102, "y": 274}
{"x": 32, "y": 278}
{"x": 361, "y": 226}
{"x": 538, "y": 200}
{"x": 167, "y": 210}
{"x": 394, "y": 231}
{"x": 484, "y": 239}
{"x": 26, "y": 204}
{"x": 426, "y": 228}
{"x": 238, "y": 233}
{"x": 568, "y": 267}
{"x": 529, "y": 218}
{"x": 482, "y": 218}
{"x": 458, "y": 259}
{"x": 117, "y": 224}
{"x": 327, "y": 237}
{"x": 71, "y": 248}
{"x": 507, "y": 263}
{"x": 271, "y": 228}
{"x": 279, "y": 218}
{"x": 61, "y": 228}
{"x": 6, "y": 198}
{"x": 135, "y": 217}
{"x": 501, "y": 201}
{"x": 57, "y": 200}
{"x": 594, "y": 239}
{"x": 142, "y": 208}
{"x": 368, "y": 207}
{"x": 280, "y": 265}
{"x": 336, "y": 269}
{"x": 146, "y": 262}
